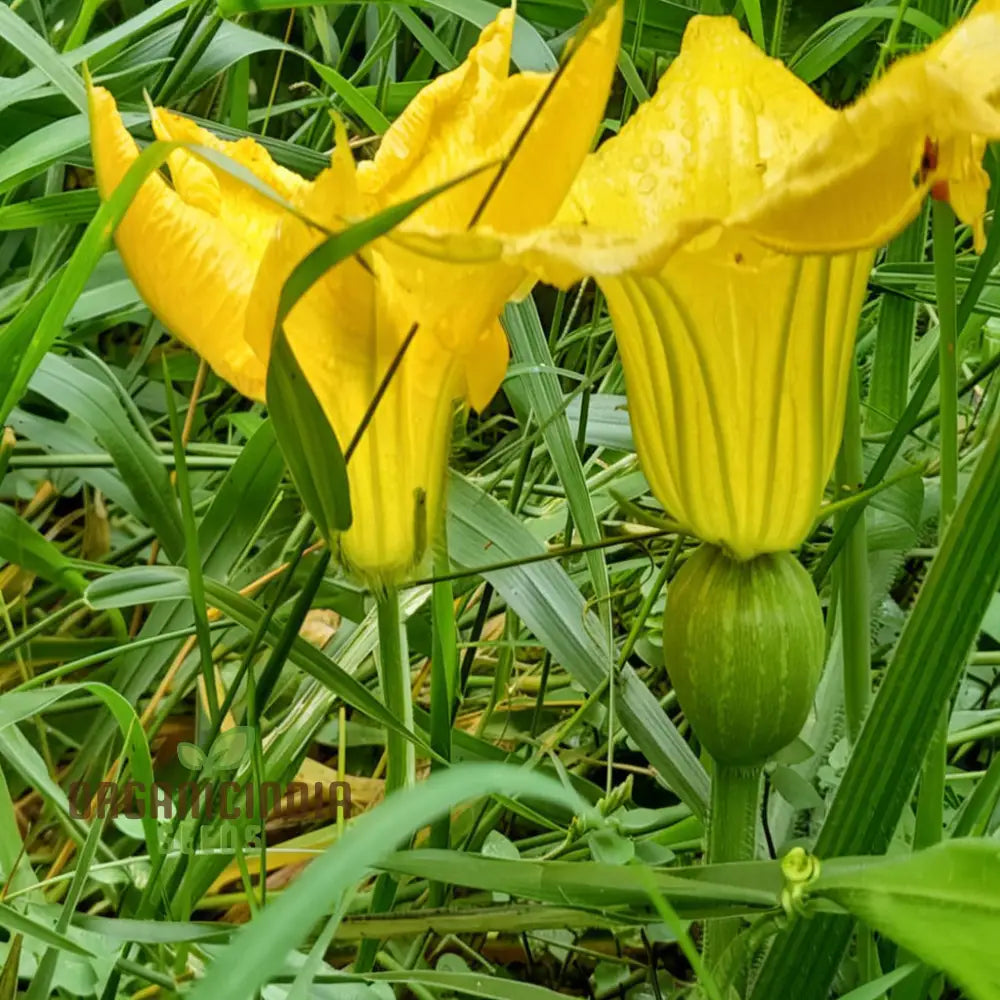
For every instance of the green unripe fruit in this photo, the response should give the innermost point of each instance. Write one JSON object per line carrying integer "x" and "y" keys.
{"x": 744, "y": 645}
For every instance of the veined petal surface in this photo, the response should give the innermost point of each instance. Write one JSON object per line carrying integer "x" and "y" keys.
{"x": 192, "y": 270}
{"x": 736, "y": 376}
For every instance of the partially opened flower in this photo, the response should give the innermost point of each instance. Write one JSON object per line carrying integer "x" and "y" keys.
{"x": 731, "y": 225}
{"x": 210, "y": 255}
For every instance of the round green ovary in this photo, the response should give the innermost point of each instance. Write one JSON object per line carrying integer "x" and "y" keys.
{"x": 744, "y": 644}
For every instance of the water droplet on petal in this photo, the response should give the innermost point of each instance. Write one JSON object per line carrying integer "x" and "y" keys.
{"x": 639, "y": 163}
{"x": 656, "y": 148}
{"x": 646, "y": 184}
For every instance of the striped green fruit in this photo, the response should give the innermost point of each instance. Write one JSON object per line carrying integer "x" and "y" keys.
{"x": 743, "y": 644}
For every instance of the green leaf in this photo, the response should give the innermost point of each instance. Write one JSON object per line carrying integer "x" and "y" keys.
{"x": 230, "y": 748}
{"x": 260, "y": 950}
{"x": 353, "y": 98}
{"x": 17, "y": 923}
{"x": 244, "y": 612}
{"x": 699, "y": 891}
{"x": 28, "y": 338}
{"x": 480, "y": 532}
{"x": 941, "y": 904}
{"x": 924, "y": 671}
{"x": 37, "y": 51}
{"x": 191, "y": 756}
{"x": 307, "y": 441}
{"x": 19, "y": 705}
{"x": 8, "y": 976}
{"x": 23, "y": 546}
{"x": 126, "y": 588}
{"x": 529, "y": 51}
{"x": 541, "y": 386}
{"x": 94, "y": 402}
{"x": 64, "y": 207}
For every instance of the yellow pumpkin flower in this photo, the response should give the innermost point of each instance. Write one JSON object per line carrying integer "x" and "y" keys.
{"x": 731, "y": 225}
{"x": 210, "y": 254}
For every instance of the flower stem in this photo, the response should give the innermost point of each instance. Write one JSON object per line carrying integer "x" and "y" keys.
{"x": 944, "y": 280}
{"x": 855, "y": 615}
{"x": 732, "y": 836}
{"x": 930, "y": 800}
{"x": 394, "y": 675}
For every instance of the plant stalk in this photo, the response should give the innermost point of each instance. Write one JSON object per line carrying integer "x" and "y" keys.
{"x": 394, "y": 675}
{"x": 732, "y": 836}
{"x": 855, "y": 613}
{"x": 944, "y": 281}
{"x": 930, "y": 799}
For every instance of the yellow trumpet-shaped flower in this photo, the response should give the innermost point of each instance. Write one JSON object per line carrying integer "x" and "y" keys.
{"x": 210, "y": 255}
{"x": 731, "y": 225}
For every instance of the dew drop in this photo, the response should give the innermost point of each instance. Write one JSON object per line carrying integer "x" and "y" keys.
{"x": 639, "y": 163}
{"x": 656, "y": 148}
{"x": 646, "y": 184}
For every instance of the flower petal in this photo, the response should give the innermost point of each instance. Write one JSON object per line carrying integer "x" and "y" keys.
{"x": 726, "y": 120}
{"x": 486, "y": 366}
{"x": 736, "y": 376}
{"x": 475, "y": 114}
{"x": 192, "y": 271}
{"x": 245, "y": 212}
{"x": 330, "y": 326}
{"x": 346, "y": 332}
{"x": 919, "y": 128}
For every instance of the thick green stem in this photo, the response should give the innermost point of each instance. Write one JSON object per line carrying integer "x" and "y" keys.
{"x": 930, "y": 801}
{"x": 732, "y": 836}
{"x": 944, "y": 280}
{"x": 855, "y": 613}
{"x": 394, "y": 675}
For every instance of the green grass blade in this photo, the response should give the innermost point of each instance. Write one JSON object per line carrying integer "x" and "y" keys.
{"x": 924, "y": 671}
{"x": 37, "y": 51}
{"x": 260, "y": 950}
{"x": 480, "y": 530}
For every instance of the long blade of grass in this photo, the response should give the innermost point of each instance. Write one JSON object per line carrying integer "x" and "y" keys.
{"x": 924, "y": 671}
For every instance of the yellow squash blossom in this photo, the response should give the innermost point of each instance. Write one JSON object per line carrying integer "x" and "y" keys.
{"x": 731, "y": 225}
{"x": 209, "y": 255}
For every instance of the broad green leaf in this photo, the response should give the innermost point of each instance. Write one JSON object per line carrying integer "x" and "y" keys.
{"x": 608, "y": 422}
{"x": 941, "y": 904}
{"x": 231, "y": 748}
{"x": 541, "y": 387}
